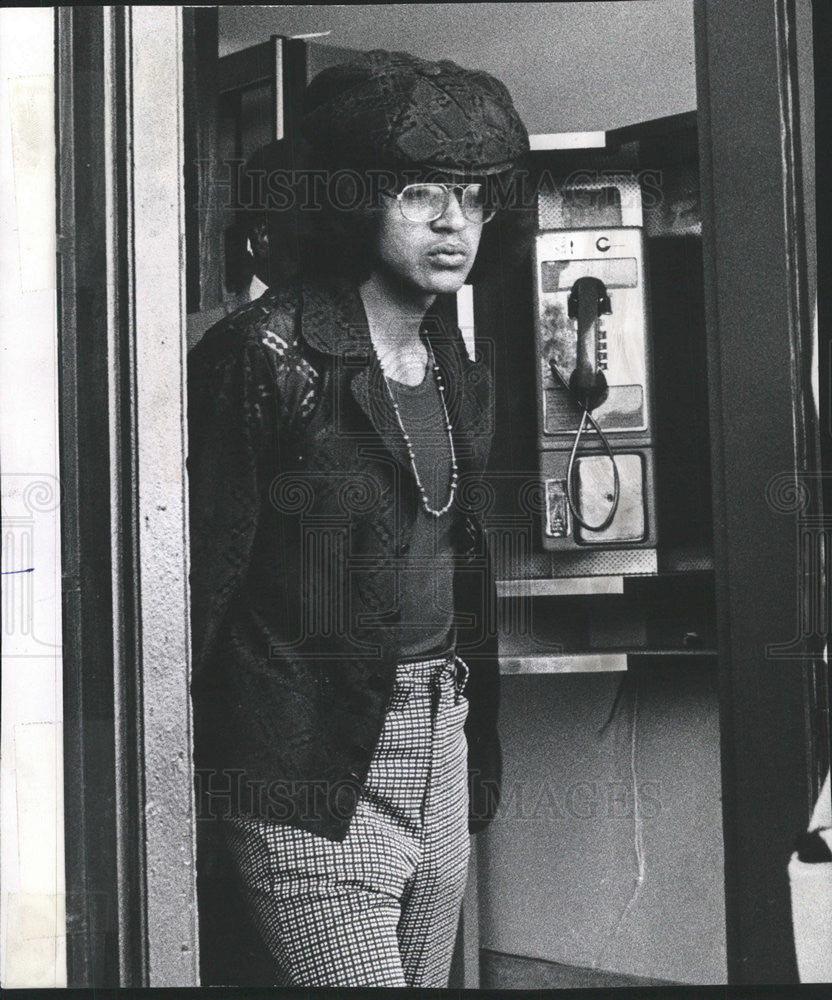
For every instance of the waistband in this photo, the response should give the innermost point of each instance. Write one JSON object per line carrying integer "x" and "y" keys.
{"x": 415, "y": 673}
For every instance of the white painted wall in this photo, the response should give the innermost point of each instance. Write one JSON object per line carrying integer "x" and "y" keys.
{"x": 32, "y": 922}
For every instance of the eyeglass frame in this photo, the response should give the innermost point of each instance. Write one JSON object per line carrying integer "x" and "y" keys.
{"x": 448, "y": 189}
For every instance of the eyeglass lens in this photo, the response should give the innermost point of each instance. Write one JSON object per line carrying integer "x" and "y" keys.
{"x": 426, "y": 202}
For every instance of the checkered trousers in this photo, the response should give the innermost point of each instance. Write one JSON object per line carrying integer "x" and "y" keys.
{"x": 381, "y": 907}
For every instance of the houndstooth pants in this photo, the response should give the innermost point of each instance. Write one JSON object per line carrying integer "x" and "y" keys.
{"x": 381, "y": 907}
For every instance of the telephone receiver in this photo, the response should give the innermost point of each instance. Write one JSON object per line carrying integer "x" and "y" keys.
{"x": 588, "y": 300}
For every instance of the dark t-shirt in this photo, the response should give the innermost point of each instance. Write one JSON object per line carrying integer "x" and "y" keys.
{"x": 426, "y": 577}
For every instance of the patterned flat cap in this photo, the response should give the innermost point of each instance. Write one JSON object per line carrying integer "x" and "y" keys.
{"x": 391, "y": 109}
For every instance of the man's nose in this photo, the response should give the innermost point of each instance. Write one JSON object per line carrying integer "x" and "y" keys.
{"x": 453, "y": 216}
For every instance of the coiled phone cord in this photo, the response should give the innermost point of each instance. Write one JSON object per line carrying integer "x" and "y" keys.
{"x": 586, "y": 415}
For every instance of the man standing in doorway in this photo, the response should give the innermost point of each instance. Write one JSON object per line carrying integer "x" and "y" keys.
{"x": 345, "y": 671}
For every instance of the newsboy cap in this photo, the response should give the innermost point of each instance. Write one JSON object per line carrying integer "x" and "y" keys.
{"x": 391, "y": 109}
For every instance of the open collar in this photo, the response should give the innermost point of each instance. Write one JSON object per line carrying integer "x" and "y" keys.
{"x": 333, "y": 321}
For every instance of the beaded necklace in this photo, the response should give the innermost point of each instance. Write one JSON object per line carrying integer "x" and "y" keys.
{"x": 454, "y": 471}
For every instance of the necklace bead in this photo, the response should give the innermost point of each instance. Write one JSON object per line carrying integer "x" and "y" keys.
{"x": 406, "y": 437}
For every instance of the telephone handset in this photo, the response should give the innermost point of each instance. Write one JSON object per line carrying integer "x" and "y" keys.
{"x": 588, "y": 301}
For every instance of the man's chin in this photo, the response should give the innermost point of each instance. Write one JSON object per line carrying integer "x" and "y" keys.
{"x": 447, "y": 283}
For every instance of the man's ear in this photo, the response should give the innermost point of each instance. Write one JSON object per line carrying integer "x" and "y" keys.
{"x": 259, "y": 239}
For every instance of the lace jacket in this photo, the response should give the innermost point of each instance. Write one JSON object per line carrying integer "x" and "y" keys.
{"x": 302, "y": 501}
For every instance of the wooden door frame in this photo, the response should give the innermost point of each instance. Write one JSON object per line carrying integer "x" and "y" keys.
{"x": 130, "y": 844}
{"x": 768, "y": 512}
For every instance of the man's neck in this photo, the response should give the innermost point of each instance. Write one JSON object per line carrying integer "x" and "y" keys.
{"x": 395, "y": 314}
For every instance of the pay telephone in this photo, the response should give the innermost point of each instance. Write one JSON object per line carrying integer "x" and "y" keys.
{"x": 595, "y": 405}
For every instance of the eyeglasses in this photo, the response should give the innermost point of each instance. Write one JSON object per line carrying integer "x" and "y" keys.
{"x": 427, "y": 202}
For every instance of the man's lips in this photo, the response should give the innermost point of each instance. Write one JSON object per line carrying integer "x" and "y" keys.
{"x": 452, "y": 254}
